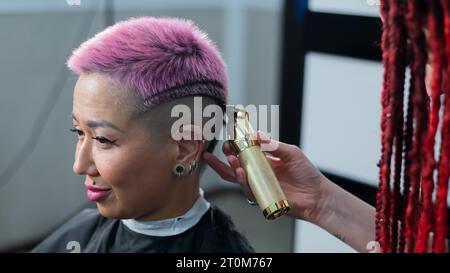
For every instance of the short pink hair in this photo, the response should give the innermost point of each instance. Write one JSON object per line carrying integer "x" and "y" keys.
{"x": 162, "y": 59}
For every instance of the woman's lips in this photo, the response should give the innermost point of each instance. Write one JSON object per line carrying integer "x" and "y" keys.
{"x": 96, "y": 193}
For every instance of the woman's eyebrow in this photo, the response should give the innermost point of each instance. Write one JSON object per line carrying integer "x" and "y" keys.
{"x": 100, "y": 123}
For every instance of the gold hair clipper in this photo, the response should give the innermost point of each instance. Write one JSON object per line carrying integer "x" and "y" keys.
{"x": 261, "y": 179}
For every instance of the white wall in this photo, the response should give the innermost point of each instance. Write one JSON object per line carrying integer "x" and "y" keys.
{"x": 341, "y": 112}
{"x": 352, "y": 7}
{"x": 340, "y": 132}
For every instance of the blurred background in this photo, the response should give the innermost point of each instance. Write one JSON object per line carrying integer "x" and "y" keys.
{"x": 318, "y": 59}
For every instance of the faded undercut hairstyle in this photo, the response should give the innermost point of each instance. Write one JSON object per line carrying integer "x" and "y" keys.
{"x": 161, "y": 60}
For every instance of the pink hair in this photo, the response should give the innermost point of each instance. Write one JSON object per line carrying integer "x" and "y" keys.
{"x": 160, "y": 58}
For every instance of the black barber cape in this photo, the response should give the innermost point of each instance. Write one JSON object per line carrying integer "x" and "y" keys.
{"x": 89, "y": 231}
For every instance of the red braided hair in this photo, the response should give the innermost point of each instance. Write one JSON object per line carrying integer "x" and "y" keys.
{"x": 442, "y": 191}
{"x": 425, "y": 224}
{"x": 405, "y": 220}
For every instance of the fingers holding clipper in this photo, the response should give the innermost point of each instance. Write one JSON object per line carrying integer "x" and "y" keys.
{"x": 228, "y": 149}
{"x": 240, "y": 176}
{"x": 275, "y": 148}
{"x": 236, "y": 166}
{"x": 232, "y": 173}
{"x": 220, "y": 167}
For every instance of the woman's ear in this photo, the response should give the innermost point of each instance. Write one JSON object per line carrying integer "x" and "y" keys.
{"x": 190, "y": 144}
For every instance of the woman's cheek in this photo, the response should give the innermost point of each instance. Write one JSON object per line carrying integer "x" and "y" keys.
{"x": 111, "y": 166}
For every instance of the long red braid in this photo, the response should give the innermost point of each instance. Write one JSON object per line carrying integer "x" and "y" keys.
{"x": 398, "y": 66}
{"x": 442, "y": 191}
{"x": 405, "y": 220}
{"x": 381, "y": 198}
{"x": 428, "y": 157}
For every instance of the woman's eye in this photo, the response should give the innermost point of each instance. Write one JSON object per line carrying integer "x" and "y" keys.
{"x": 104, "y": 140}
{"x": 78, "y": 132}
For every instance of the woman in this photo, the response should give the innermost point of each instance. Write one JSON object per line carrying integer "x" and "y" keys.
{"x": 144, "y": 182}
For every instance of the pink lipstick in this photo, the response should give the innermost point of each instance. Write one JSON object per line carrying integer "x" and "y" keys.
{"x": 96, "y": 194}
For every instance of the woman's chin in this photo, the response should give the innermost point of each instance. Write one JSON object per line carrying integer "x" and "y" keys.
{"x": 108, "y": 211}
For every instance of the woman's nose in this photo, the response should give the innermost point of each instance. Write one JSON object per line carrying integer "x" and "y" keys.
{"x": 84, "y": 163}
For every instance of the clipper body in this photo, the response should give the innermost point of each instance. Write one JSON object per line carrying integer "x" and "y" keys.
{"x": 262, "y": 181}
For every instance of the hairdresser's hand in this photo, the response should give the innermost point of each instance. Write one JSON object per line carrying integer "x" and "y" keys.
{"x": 299, "y": 179}
{"x": 311, "y": 196}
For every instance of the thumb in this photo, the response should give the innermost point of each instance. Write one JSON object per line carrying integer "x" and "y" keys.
{"x": 276, "y": 148}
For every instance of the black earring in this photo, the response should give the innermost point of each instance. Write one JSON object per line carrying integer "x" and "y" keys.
{"x": 178, "y": 169}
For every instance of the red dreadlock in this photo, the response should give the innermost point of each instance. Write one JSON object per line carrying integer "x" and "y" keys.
{"x": 398, "y": 66}
{"x": 441, "y": 196}
{"x": 416, "y": 37}
{"x": 425, "y": 225}
{"x": 380, "y": 212}
{"x": 404, "y": 221}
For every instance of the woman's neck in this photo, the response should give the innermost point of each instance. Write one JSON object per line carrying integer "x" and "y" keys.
{"x": 171, "y": 226}
{"x": 178, "y": 203}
